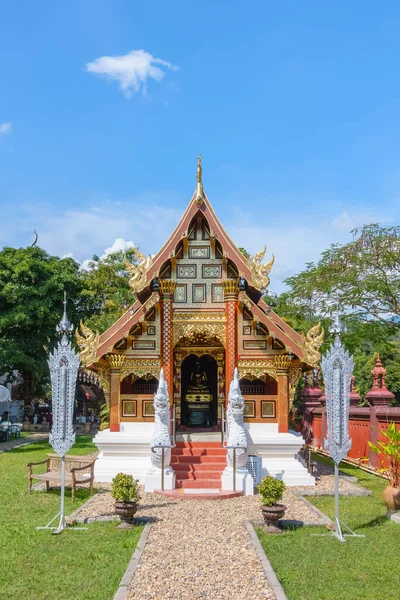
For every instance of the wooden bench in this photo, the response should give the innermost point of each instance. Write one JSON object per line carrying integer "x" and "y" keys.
{"x": 78, "y": 470}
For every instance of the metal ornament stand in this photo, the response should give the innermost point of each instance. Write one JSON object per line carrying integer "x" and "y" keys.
{"x": 64, "y": 365}
{"x": 337, "y": 367}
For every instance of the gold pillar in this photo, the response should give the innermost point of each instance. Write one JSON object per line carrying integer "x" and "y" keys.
{"x": 115, "y": 361}
{"x": 231, "y": 292}
{"x": 166, "y": 290}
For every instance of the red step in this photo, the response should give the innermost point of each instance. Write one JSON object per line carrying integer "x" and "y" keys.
{"x": 200, "y": 484}
{"x": 198, "y": 452}
{"x": 198, "y": 460}
{"x": 211, "y": 466}
{"x": 198, "y": 464}
{"x": 199, "y": 475}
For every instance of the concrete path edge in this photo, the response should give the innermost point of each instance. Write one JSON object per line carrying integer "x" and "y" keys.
{"x": 266, "y": 565}
{"x": 133, "y": 564}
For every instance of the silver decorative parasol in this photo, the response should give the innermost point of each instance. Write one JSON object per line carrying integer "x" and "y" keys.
{"x": 64, "y": 365}
{"x": 337, "y": 367}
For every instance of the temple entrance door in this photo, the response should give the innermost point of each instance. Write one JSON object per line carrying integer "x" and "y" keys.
{"x": 199, "y": 400}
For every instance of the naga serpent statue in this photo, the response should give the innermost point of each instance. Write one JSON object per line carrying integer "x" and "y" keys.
{"x": 88, "y": 344}
{"x": 236, "y": 431}
{"x": 161, "y": 435}
{"x": 260, "y": 272}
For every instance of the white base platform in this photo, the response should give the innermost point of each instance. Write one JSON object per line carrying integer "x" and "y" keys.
{"x": 244, "y": 481}
{"x": 128, "y": 451}
{"x": 153, "y": 480}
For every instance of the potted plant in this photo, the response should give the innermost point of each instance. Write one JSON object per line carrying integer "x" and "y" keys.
{"x": 125, "y": 490}
{"x": 271, "y": 491}
{"x": 389, "y": 448}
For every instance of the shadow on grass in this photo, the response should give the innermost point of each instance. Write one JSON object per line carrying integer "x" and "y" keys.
{"x": 374, "y": 522}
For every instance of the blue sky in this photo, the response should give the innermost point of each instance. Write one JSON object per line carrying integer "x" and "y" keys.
{"x": 293, "y": 105}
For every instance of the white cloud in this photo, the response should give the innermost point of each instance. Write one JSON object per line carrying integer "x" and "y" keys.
{"x": 119, "y": 244}
{"x": 347, "y": 221}
{"x": 5, "y": 128}
{"x": 130, "y": 70}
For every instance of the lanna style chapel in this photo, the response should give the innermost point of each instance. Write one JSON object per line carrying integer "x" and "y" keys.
{"x": 198, "y": 315}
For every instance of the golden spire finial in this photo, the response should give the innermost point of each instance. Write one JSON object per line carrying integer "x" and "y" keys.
{"x": 199, "y": 196}
{"x": 199, "y": 169}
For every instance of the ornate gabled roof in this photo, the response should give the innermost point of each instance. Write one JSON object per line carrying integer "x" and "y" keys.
{"x": 252, "y": 270}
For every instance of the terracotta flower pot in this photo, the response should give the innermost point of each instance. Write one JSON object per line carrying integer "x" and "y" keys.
{"x": 126, "y": 511}
{"x": 271, "y": 515}
{"x": 391, "y": 497}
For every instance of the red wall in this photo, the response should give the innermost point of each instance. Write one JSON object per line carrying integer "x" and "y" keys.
{"x": 364, "y": 425}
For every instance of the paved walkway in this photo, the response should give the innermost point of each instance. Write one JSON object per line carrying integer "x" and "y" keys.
{"x": 23, "y": 441}
{"x": 199, "y": 549}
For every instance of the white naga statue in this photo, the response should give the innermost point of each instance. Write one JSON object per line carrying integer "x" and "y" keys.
{"x": 161, "y": 435}
{"x": 234, "y": 417}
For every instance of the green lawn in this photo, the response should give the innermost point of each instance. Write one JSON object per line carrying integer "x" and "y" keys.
{"x": 322, "y": 568}
{"x": 35, "y": 565}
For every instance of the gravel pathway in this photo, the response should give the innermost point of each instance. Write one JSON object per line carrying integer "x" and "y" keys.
{"x": 199, "y": 549}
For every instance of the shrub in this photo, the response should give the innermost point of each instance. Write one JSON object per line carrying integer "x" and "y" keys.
{"x": 125, "y": 488}
{"x": 271, "y": 490}
{"x": 389, "y": 448}
{"x": 104, "y": 417}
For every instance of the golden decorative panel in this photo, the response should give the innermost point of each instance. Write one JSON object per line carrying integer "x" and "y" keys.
{"x": 268, "y": 409}
{"x": 166, "y": 286}
{"x": 141, "y": 368}
{"x": 116, "y": 361}
{"x": 294, "y": 376}
{"x": 129, "y": 408}
{"x": 231, "y": 286}
{"x": 244, "y": 299}
{"x": 256, "y": 369}
{"x": 282, "y": 361}
{"x": 104, "y": 377}
{"x": 199, "y": 332}
{"x": 88, "y": 344}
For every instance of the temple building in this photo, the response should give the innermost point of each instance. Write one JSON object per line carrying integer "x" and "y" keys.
{"x": 198, "y": 314}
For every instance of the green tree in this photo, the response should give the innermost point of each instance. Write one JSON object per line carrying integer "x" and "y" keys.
{"x": 105, "y": 294}
{"x": 31, "y": 304}
{"x": 362, "y": 277}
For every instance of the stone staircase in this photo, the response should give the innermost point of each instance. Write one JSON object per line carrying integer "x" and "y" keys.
{"x": 198, "y": 465}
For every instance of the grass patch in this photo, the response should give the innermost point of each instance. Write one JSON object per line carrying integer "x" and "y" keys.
{"x": 34, "y": 565}
{"x": 322, "y": 568}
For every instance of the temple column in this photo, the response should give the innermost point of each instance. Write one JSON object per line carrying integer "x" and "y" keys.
{"x": 282, "y": 362}
{"x": 166, "y": 291}
{"x": 115, "y": 361}
{"x": 231, "y": 292}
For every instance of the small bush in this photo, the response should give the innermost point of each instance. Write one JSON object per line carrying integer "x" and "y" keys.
{"x": 271, "y": 490}
{"x": 125, "y": 488}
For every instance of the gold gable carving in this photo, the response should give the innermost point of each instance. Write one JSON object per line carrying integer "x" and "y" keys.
{"x": 88, "y": 344}
{"x": 312, "y": 343}
{"x": 260, "y": 272}
{"x": 138, "y": 273}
